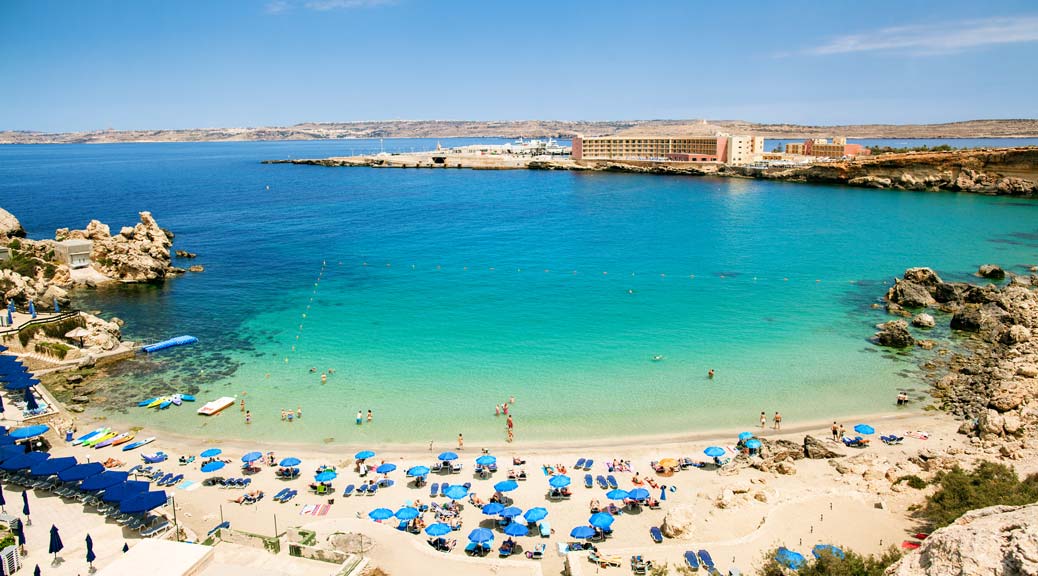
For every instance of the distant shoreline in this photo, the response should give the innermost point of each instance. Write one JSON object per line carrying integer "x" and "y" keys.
{"x": 1004, "y": 128}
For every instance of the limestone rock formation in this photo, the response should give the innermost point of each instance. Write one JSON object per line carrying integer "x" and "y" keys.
{"x": 910, "y": 294}
{"x": 21, "y": 289}
{"x": 995, "y": 541}
{"x": 816, "y": 449}
{"x": 967, "y": 320}
{"x": 10, "y": 226}
{"x": 923, "y": 320}
{"x": 138, "y": 254}
{"x": 894, "y": 334}
{"x": 679, "y": 522}
{"x": 991, "y": 271}
{"x": 104, "y": 335}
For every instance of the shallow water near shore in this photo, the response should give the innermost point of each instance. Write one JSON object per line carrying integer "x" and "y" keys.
{"x": 436, "y": 294}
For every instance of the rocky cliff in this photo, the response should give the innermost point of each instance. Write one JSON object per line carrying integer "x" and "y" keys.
{"x": 1004, "y": 171}
{"x": 9, "y": 225}
{"x": 995, "y": 541}
{"x": 136, "y": 254}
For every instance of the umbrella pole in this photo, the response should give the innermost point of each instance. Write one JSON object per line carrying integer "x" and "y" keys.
{"x": 275, "y": 526}
{"x": 176, "y": 526}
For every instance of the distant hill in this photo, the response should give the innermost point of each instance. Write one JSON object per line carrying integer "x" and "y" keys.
{"x": 531, "y": 129}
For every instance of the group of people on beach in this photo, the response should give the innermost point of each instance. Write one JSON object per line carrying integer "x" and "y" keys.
{"x": 500, "y": 409}
{"x": 776, "y": 421}
{"x": 289, "y": 415}
{"x": 360, "y": 417}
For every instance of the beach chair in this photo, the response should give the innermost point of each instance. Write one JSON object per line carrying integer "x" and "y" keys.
{"x": 639, "y": 565}
{"x": 348, "y": 491}
{"x": 588, "y": 463}
{"x": 706, "y": 561}
{"x": 176, "y": 480}
{"x": 612, "y": 482}
{"x": 472, "y": 549}
{"x": 456, "y": 467}
{"x": 656, "y": 535}
{"x": 588, "y": 481}
{"x": 545, "y": 528}
{"x": 434, "y": 489}
{"x": 244, "y": 482}
{"x": 537, "y": 553}
{"x": 372, "y": 488}
{"x": 601, "y": 482}
{"x": 281, "y": 494}
{"x": 580, "y": 464}
{"x": 438, "y": 467}
{"x": 291, "y": 494}
{"x": 156, "y": 529}
{"x": 691, "y": 561}
{"x": 362, "y": 489}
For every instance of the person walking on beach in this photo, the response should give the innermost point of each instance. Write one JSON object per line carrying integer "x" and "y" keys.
{"x": 243, "y": 402}
{"x": 763, "y": 420}
{"x": 836, "y": 432}
{"x": 461, "y": 441}
{"x": 778, "y": 421}
{"x": 360, "y": 417}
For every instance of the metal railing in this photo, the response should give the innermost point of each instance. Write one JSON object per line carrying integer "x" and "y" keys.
{"x": 39, "y": 321}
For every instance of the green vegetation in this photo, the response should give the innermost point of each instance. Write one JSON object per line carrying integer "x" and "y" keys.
{"x": 55, "y": 349}
{"x": 990, "y": 484}
{"x": 877, "y": 150}
{"x": 913, "y": 481}
{"x": 24, "y": 263}
{"x": 853, "y": 564}
{"x": 53, "y": 329}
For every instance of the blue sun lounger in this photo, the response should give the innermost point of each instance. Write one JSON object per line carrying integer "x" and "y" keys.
{"x": 588, "y": 481}
{"x": 612, "y": 482}
{"x": 588, "y": 463}
{"x": 656, "y": 535}
{"x": 580, "y": 464}
{"x": 372, "y": 488}
{"x": 545, "y": 528}
{"x": 291, "y": 494}
{"x": 706, "y": 560}
{"x": 691, "y": 561}
{"x": 362, "y": 489}
{"x": 281, "y": 494}
{"x": 601, "y": 482}
{"x": 434, "y": 489}
{"x": 348, "y": 491}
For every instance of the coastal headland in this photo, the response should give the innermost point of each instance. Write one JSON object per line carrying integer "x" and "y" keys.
{"x": 1001, "y": 171}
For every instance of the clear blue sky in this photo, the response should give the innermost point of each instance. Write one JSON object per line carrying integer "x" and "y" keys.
{"x": 80, "y": 65}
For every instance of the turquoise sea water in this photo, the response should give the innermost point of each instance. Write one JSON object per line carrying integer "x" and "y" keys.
{"x": 437, "y": 294}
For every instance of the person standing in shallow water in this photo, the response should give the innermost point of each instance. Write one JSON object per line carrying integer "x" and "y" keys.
{"x": 461, "y": 441}
{"x": 360, "y": 417}
{"x": 370, "y": 417}
{"x": 778, "y": 421}
{"x": 763, "y": 420}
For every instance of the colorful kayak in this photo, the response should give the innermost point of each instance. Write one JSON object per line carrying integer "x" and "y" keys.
{"x": 109, "y": 441}
{"x": 176, "y": 399}
{"x": 147, "y": 402}
{"x": 187, "y": 398}
{"x": 216, "y": 406}
{"x": 138, "y": 444}
{"x": 126, "y": 438}
{"x": 90, "y": 435}
{"x": 165, "y": 404}
{"x": 101, "y": 438}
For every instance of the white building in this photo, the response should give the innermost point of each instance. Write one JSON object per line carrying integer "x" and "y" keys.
{"x": 74, "y": 253}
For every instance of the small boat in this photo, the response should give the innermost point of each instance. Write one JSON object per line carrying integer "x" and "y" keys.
{"x": 165, "y": 403}
{"x": 214, "y": 407}
{"x": 109, "y": 441}
{"x": 187, "y": 397}
{"x": 89, "y": 435}
{"x": 126, "y": 438}
{"x": 147, "y": 402}
{"x": 100, "y": 438}
{"x": 138, "y": 444}
{"x": 157, "y": 402}
{"x": 176, "y": 399}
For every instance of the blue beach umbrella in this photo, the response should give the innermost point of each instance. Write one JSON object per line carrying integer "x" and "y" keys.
{"x": 454, "y": 492}
{"x": 493, "y": 509}
{"x": 326, "y": 476}
{"x": 486, "y": 460}
{"x": 745, "y": 435}
{"x": 25, "y": 504}
{"x": 251, "y": 457}
{"x": 10, "y": 318}
{"x": 364, "y": 455}
{"x": 536, "y": 514}
{"x": 212, "y": 466}
{"x": 407, "y": 513}
{"x": 385, "y": 468}
{"x": 104, "y": 480}
{"x": 481, "y": 535}
{"x": 23, "y": 461}
{"x": 8, "y": 452}
{"x": 57, "y": 308}
{"x": 21, "y": 383}
{"x": 418, "y": 471}
{"x": 447, "y": 456}
{"x": 582, "y": 532}
{"x": 559, "y": 481}
{"x": 510, "y": 512}
{"x": 864, "y": 429}
{"x": 3, "y": 502}
{"x": 789, "y": 558}
{"x": 714, "y": 451}
{"x": 6, "y": 440}
{"x": 52, "y": 466}
{"x": 29, "y": 431}
{"x": 55, "y": 541}
{"x": 380, "y": 514}
{"x": 124, "y": 491}
{"x": 32, "y": 309}
{"x": 90, "y": 556}
{"x": 753, "y": 444}
{"x": 142, "y": 502}
{"x": 618, "y": 494}
{"x": 506, "y": 485}
{"x": 516, "y": 529}
{"x": 81, "y": 472}
{"x": 30, "y": 400}
{"x": 290, "y": 462}
{"x": 821, "y": 549}
{"x": 438, "y": 529}
{"x": 601, "y": 520}
{"x": 638, "y": 494}
{"x": 211, "y": 453}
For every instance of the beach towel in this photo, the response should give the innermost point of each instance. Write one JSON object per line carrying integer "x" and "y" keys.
{"x": 188, "y": 485}
{"x": 307, "y": 510}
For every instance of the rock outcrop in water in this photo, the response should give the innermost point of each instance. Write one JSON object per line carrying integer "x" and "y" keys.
{"x": 995, "y": 541}
{"x": 137, "y": 254}
{"x": 10, "y": 227}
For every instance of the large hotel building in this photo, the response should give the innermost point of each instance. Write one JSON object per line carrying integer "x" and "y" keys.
{"x": 838, "y": 148}
{"x": 724, "y": 149}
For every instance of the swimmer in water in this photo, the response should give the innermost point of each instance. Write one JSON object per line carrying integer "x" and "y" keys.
{"x": 710, "y": 374}
{"x": 324, "y": 378}
{"x": 657, "y": 358}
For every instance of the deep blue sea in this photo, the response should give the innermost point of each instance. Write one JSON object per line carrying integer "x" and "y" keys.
{"x": 436, "y": 294}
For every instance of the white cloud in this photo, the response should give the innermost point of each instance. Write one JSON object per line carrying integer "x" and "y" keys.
{"x": 277, "y": 6}
{"x": 937, "y": 38}
{"x": 323, "y": 5}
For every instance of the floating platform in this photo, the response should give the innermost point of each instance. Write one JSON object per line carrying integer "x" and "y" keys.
{"x": 178, "y": 341}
